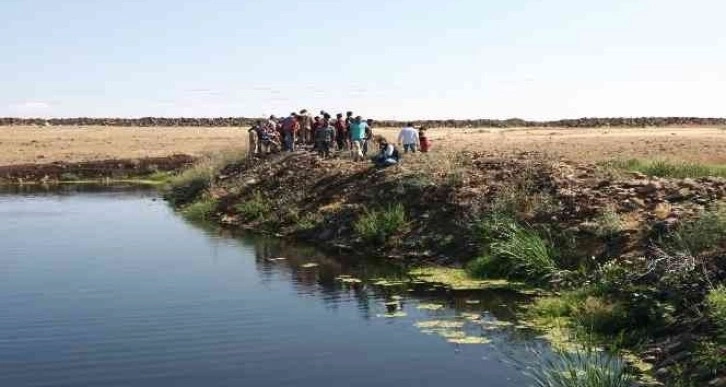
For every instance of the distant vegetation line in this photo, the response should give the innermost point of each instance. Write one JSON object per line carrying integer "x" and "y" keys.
{"x": 478, "y": 123}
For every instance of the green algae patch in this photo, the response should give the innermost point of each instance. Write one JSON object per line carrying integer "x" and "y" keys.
{"x": 398, "y": 314}
{"x": 458, "y": 279}
{"x": 387, "y": 283}
{"x": 430, "y": 306}
{"x": 439, "y": 324}
{"x": 346, "y": 279}
{"x": 469, "y": 340}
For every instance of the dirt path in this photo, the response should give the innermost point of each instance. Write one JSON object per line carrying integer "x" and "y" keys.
{"x": 20, "y": 145}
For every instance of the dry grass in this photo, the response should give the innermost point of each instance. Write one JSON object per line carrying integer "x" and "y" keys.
{"x": 33, "y": 144}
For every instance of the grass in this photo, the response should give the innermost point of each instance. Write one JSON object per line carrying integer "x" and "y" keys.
{"x": 378, "y": 226}
{"x": 200, "y": 211}
{"x": 188, "y": 185}
{"x": 716, "y": 304}
{"x": 256, "y": 208}
{"x": 609, "y": 224}
{"x": 512, "y": 251}
{"x": 581, "y": 368}
{"x": 674, "y": 169}
{"x": 695, "y": 236}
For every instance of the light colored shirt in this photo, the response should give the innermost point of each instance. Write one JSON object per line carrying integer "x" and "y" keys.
{"x": 408, "y": 135}
{"x": 358, "y": 131}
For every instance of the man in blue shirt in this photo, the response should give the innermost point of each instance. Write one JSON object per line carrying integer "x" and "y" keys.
{"x": 357, "y": 136}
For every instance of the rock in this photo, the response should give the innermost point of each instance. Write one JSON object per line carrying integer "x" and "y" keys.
{"x": 648, "y": 188}
{"x": 718, "y": 382}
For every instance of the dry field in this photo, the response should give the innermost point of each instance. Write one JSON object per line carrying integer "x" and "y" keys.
{"x": 20, "y": 145}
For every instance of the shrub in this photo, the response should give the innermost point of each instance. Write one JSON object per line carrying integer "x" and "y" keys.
{"x": 581, "y": 368}
{"x": 698, "y": 235}
{"x": 192, "y": 182}
{"x": 256, "y": 208}
{"x": 609, "y": 224}
{"x": 716, "y": 304}
{"x": 379, "y": 225}
{"x": 201, "y": 210}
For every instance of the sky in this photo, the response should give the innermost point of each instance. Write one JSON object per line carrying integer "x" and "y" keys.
{"x": 395, "y": 59}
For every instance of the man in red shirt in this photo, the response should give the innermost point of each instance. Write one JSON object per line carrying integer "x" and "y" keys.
{"x": 341, "y": 131}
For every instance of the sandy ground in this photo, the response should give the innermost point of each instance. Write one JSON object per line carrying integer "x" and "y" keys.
{"x": 20, "y": 145}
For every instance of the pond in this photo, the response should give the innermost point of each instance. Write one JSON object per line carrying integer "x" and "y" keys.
{"x": 112, "y": 288}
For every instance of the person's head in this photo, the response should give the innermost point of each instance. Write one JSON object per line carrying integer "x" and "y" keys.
{"x": 272, "y": 117}
{"x": 258, "y": 122}
{"x": 349, "y": 114}
{"x": 304, "y": 111}
{"x": 339, "y": 115}
{"x": 409, "y": 124}
{"x": 358, "y": 119}
{"x": 369, "y": 121}
{"x": 317, "y": 118}
{"x": 326, "y": 116}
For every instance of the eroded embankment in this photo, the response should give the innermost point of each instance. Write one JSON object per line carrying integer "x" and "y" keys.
{"x": 639, "y": 260}
{"x": 116, "y": 169}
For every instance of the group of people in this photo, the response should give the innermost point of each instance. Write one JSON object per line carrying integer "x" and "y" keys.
{"x": 326, "y": 134}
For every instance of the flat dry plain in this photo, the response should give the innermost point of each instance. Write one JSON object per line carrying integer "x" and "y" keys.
{"x": 25, "y": 144}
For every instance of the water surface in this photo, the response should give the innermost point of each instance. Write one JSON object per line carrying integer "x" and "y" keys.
{"x": 113, "y": 289}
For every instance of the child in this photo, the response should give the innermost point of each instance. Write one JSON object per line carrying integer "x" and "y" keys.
{"x": 423, "y": 141}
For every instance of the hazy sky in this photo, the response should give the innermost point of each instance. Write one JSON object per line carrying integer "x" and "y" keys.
{"x": 382, "y": 58}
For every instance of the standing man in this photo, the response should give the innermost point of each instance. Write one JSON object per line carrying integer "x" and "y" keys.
{"x": 306, "y": 126}
{"x": 369, "y": 136}
{"x": 324, "y": 138}
{"x": 254, "y": 137}
{"x": 408, "y": 137}
{"x": 290, "y": 127}
{"x": 341, "y": 131}
{"x": 357, "y": 136}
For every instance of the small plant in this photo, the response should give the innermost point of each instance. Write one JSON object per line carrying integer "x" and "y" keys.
{"x": 700, "y": 234}
{"x": 581, "y": 368}
{"x": 201, "y": 210}
{"x": 609, "y": 224}
{"x": 379, "y": 225}
{"x": 663, "y": 168}
{"x": 716, "y": 304}
{"x": 68, "y": 176}
{"x": 256, "y": 208}
{"x": 191, "y": 183}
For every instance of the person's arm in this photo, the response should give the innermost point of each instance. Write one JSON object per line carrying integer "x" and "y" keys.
{"x": 400, "y": 137}
{"x": 388, "y": 152}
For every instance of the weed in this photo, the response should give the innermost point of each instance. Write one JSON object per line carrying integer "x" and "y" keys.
{"x": 256, "y": 208}
{"x": 192, "y": 182}
{"x": 663, "y": 168}
{"x": 378, "y": 226}
{"x": 609, "y": 224}
{"x": 581, "y": 368}
{"x": 67, "y": 176}
{"x": 698, "y": 235}
{"x": 201, "y": 210}
{"x": 716, "y": 303}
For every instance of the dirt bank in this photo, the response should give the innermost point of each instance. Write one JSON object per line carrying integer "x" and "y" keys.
{"x": 638, "y": 253}
{"x": 93, "y": 170}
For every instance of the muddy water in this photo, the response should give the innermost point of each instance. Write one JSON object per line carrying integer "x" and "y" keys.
{"x": 113, "y": 289}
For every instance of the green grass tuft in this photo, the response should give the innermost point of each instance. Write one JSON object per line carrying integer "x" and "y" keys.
{"x": 200, "y": 211}
{"x": 695, "y": 236}
{"x": 675, "y": 169}
{"x": 581, "y": 368}
{"x": 716, "y": 304}
{"x": 512, "y": 251}
{"x": 378, "y": 226}
{"x": 256, "y": 208}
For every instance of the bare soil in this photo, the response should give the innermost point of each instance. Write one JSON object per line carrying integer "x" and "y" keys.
{"x": 30, "y": 144}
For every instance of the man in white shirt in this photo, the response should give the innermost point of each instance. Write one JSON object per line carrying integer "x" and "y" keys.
{"x": 408, "y": 138}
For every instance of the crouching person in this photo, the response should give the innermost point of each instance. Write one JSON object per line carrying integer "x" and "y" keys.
{"x": 388, "y": 154}
{"x": 324, "y": 139}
